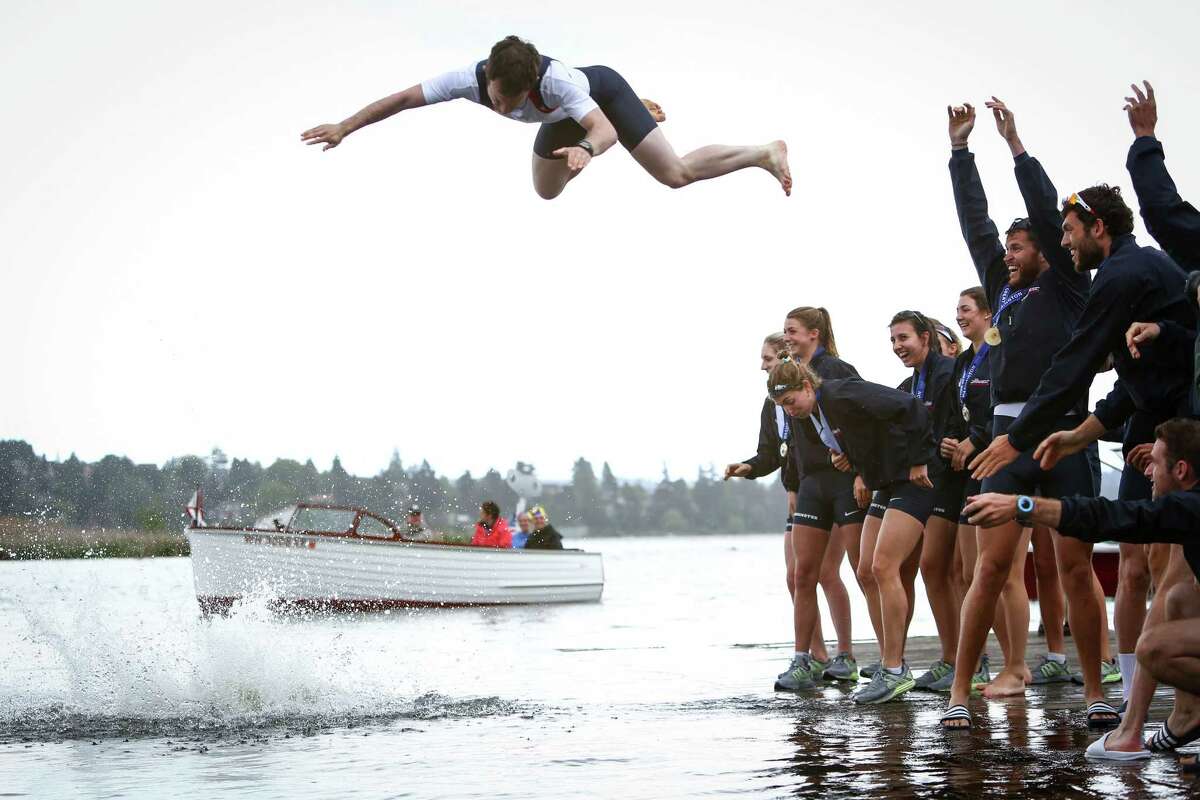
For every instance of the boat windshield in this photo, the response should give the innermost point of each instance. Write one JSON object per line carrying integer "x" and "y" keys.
{"x": 334, "y": 520}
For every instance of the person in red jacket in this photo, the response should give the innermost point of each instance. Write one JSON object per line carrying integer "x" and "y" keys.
{"x": 491, "y": 530}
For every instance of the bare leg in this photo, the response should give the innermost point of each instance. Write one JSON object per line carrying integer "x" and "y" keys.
{"x": 1129, "y": 608}
{"x": 937, "y": 558}
{"x": 1015, "y": 600}
{"x": 1171, "y": 653}
{"x": 1128, "y": 735}
{"x": 789, "y": 558}
{"x": 835, "y": 589}
{"x": 1079, "y": 583}
{"x": 1098, "y": 591}
{"x": 1049, "y": 589}
{"x": 657, "y": 157}
{"x": 808, "y": 546}
{"x": 996, "y": 549}
{"x": 550, "y": 176}
{"x": 898, "y": 538}
{"x": 866, "y": 576}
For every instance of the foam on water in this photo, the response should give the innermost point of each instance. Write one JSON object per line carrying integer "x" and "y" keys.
{"x": 86, "y": 666}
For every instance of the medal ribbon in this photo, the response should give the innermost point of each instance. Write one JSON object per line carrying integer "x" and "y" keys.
{"x": 969, "y": 372}
{"x": 1007, "y": 298}
{"x": 823, "y": 429}
{"x": 919, "y": 386}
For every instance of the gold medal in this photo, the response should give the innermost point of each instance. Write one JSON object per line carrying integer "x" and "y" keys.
{"x": 992, "y": 337}
{"x": 783, "y": 450}
{"x": 966, "y": 414}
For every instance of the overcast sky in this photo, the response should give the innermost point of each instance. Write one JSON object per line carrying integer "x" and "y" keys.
{"x": 180, "y": 272}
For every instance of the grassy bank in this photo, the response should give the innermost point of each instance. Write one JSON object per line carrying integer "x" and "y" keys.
{"x": 27, "y": 539}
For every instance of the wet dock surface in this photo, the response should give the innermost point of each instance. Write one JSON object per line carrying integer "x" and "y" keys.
{"x": 1031, "y": 746}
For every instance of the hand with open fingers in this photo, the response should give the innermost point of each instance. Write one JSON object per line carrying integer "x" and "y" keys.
{"x": 329, "y": 135}
{"x": 1142, "y": 110}
{"x": 962, "y": 121}
{"x": 577, "y": 158}
{"x": 1006, "y": 121}
{"x": 998, "y": 455}
{"x": 862, "y": 495}
{"x": 840, "y": 461}
{"x": 947, "y": 447}
{"x": 1140, "y": 333}
{"x": 736, "y": 471}
{"x": 965, "y": 449}
{"x": 1139, "y": 457}
{"x": 1056, "y": 447}
{"x": 919, "y": 474}
{"x": 991, "y": 509}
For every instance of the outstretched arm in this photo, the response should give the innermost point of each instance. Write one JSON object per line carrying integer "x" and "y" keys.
{"x": 978, "y": 230}
{"x": 600, "y": 134}
{"x": 1172, "y": 221}
{"x": 332, "y": 135}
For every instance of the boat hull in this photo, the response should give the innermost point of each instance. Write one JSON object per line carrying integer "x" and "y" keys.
{"x": 334, "y": 572}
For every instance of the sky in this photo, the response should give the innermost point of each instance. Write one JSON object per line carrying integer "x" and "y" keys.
{"x": 179, "y": 272}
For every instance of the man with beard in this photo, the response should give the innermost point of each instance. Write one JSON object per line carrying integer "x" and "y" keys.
{"x": 1169, "y": 649}
{"x": 1036, "y": 295}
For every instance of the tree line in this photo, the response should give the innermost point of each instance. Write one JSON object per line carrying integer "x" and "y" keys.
{"x": 114, "y": 492}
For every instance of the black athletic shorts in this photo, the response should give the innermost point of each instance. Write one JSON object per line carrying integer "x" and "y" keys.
{"x": 906, "y": 496}
{"x": 826, "y": 498}
{"x": 1071, "y": 476}
{"x": 948, "y": 495}
{"x": 619, "y": 103}
{"x": 971, "y": 487}
{"x": 1139, "y": 430}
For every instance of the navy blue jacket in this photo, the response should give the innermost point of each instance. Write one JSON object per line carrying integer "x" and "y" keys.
{"x": 1033, "y": 329}
{"x": 940, "y": 400}
{"x": 1173, "y": 222}
{"x": 1170, "y": 519}
{"x": 883, "y": 431}
{"x": 767, "y": 459}
{"x": 1134, "y": 283}
{"x": 978, "y": 400}
{"x": 810, "y": 453}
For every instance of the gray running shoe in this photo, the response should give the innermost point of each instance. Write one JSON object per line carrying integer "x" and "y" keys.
{"x": 798, "y": 676}
{"x": 936, "y": 672}
{"x": 869, "y": 671}
{"x": 842, "y": 668}
{"x": 885, "y": 686}
{"x": 982, "y": 677}
{"x": 816, "y": 670}
{"x": 1110, "y": 672}
{"x": 1050, "y": 672}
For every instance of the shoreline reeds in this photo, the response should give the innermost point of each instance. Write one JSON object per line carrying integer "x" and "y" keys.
{"x": 32, "y": 539}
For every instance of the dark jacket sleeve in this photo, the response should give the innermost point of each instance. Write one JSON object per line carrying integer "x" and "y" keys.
{"x": 1041, "y": 203}
{"x": 1172, "y": 519}
{"x": 1173, "y": 222}
{"x": 766, "y": 460}
{"x": 910, "y": 429}
{"x": 1117, "y": 407}
{"x": 978, "y": 230}
{"x": 1105, "y": 320}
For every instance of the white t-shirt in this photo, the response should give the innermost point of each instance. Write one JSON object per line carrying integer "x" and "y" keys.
{"x": 564, "y": 89}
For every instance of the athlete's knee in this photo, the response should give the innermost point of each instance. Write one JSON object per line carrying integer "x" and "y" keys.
{"x": 1077, "y": 578}
{"x": 548, "y": 192}
{"x": 991, "y": 573}
{"x": 1183, "y": 601}
{"x": 806, "y": 578}
{"x": 1134, "y": 576}
{"x": 884, "y": 569}
{"x": 864, "y": 574}
{"x": 676, "y": 176}
{"x": 1151, "y": 648}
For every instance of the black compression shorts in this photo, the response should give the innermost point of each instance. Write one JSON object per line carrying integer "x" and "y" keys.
{"x": 906, "y": 496}
{"x": 619, "y": 103}
{"x": 826, "y": 498}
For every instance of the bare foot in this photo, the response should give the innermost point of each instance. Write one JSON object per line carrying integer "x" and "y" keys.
{"x": 1026, "y": 675}
{"x": 1124, "y": 741}
{"x": 776, "y": 163}
{"x": 655, "y": 110}
{"x": 1006, "y": 684}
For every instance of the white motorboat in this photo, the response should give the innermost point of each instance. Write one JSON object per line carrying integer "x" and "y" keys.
{"x": 340, "y": 557}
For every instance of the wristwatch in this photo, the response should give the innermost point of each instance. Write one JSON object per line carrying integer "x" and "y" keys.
{"x": 1024, "y": 509}
{"x": 584, "y": 144}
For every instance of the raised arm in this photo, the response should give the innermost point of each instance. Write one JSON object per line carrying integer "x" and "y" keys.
{"x": 1173, "y": 222}
{"x": 978, "y": 230}
{"x": 1040, "y": 196}
{"x": 331, "y": 135}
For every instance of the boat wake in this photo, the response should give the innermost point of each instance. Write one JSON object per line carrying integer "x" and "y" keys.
{"x": 81, "y": 671}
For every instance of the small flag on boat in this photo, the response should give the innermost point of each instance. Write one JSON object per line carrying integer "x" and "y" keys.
{"x": 195, "y": 509}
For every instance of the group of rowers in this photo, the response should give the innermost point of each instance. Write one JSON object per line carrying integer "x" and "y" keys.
{"x": 982, "y": 449}
{"x": 979, "y": 452}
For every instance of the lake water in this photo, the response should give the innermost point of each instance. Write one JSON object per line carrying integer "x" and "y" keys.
{"x": 112, "y": 685}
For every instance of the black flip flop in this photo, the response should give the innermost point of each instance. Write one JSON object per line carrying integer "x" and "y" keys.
{"x": 953, "y": 714}
{"x": 1164, "y": 740}
{"x": 1101, "y": 716}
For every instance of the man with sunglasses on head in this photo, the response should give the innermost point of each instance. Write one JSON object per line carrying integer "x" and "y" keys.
{"x": 1036, "y": 296}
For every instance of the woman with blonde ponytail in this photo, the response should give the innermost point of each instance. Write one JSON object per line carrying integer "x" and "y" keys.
{"x": 826, "y": 520}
